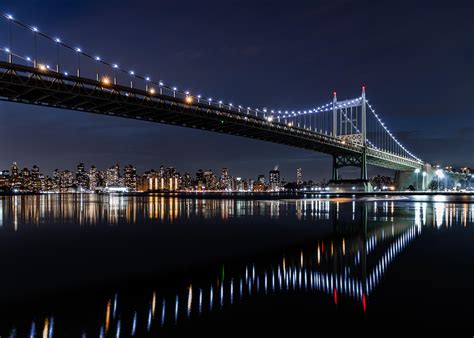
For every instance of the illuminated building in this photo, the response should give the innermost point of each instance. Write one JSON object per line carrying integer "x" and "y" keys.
{"x": 299, "y": 177}
{"x": 130, "y": 178}
{"x": 274, "y": 179}
{"x": 113, "y": 176}
{"x": 35, "y": 180}
{"x": 4, "y": 180}
{"x": 82, "y": 179}
{"x": 93, "y": 178}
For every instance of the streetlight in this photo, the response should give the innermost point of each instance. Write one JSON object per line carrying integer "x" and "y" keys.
{"x": 417, "y": 171}
{"x": 439, "y": 174}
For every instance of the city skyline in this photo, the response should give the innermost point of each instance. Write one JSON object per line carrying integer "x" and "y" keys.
{"x": 35, "y": 132}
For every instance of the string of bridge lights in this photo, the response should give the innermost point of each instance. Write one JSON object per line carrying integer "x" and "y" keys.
{"x": 188, "y": 96}
{"x": 389, "y": 133}
{"x": 323, "y": 108}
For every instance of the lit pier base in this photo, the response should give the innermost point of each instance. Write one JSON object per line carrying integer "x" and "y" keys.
{"x": 356, "y": 185}
{"x": 410, "y": 180}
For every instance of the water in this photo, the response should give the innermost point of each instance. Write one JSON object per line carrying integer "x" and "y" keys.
{"x": 145, "y": 266}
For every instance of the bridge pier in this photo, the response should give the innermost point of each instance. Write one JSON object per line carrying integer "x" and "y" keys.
{"x": 350, "y": 185}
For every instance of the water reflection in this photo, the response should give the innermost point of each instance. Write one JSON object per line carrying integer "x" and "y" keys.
{"x": 349, "y": 265}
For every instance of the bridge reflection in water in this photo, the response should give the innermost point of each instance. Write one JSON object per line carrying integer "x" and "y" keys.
{"x": 347, "y": 266}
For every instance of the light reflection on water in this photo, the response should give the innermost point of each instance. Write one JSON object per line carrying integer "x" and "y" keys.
{"x": 350, "y": 265}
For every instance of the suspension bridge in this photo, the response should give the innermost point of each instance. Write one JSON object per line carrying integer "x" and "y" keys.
{"x": 41, "y": 69}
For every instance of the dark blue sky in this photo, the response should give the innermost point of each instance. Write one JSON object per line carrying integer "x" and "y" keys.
{"x": 415, "y": 57}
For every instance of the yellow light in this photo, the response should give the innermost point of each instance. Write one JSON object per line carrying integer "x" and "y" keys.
{"x": 105, "y": 80}
{"x": 42, "y": 67}
{"x": 152, "y": 91}
{"x": 188, "y": 99}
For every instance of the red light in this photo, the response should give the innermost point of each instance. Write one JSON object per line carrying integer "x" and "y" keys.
{"x": 363, "y": 88}
{"x": 364, "y": 302}
{"x": 335, "y": 296}
{"x": 334, "y": 93}
{"x": 322, "y": 247}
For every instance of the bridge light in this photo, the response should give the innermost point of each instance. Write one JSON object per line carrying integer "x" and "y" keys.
{"x": 132, "y": 72}
{"x": 115, "y": 65}
{"x": 152, "y": 91}
{"x": 97, "y": 58}
{"x": 28, "y": 58}
{"x": 7, "y": 50}
{"x": 161, "y": 84}
{"x": 42, "y": 67}
{"x": 34, "y": 29}
{"x": 147, "y": 78}
{"x": 105, "y": 80}
{"x": 188, "y": 99}
{"x": 175, "y": 88}
{"x": 9, "y": 17}
{"x": 57, "y": 40}
{"x": 78, "y": 50}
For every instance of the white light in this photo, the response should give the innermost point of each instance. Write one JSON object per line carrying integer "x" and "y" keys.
{"x": 199, "y": 96}
{"x": 78, "y": 50}
{"x": 147, "y": 78}
{"x": 97, "y": 58}
{"x": 132, "y": 72}
{"x": 28, "y": 58}
{"x": 160, "y": 84}
{"x": 7, "y": 50}
{"x": 65, "y": 73}
{"x": 34, "y": 29}
{"x": 9, "y": 17}
{"x": 174, "y": 88}
{"x": 115, "y": 65}
{"x": 57, "y": 40}
{"x": 209, "y": 99}
{"x": 186, "y": 92}
{"x": 220, "y": 102}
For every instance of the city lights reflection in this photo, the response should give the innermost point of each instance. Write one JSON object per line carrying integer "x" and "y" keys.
{"x": 347, "y": 265}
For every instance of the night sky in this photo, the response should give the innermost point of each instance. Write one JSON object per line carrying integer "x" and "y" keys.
{"x": 415, "y": 57}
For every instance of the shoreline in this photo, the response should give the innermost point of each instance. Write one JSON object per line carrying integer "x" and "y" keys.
{"x": 256, "y": 195}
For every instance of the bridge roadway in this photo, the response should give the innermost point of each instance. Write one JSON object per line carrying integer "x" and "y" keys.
{"x": 24, "y": 84}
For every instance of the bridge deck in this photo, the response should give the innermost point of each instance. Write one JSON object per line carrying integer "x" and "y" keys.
{"x": 29, "y": 85}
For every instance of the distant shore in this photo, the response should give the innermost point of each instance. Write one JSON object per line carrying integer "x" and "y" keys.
{"x": 258, "y": 195}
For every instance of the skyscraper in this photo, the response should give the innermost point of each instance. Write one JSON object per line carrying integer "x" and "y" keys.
{"x": 93, "y": 178}
{"x": 274, "y": 178}
{"x": 299, "y": 177}
{"x": 130, "y": 177}
{"x": 113, "y": 176}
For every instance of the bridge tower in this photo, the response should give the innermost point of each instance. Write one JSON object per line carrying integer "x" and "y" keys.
{"x": 349, "y": 160}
